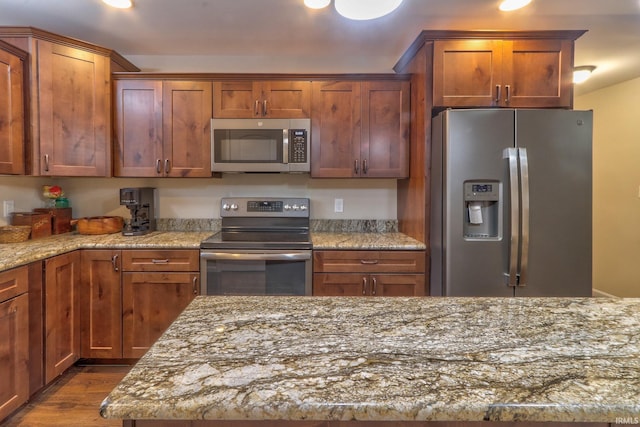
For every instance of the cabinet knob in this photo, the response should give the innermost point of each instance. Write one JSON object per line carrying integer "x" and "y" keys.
{"x": 368, "y": 261}
{"x": 256, "y": 108}
{"x": 46, "y": 163}
{"x": 498, "y": 94}
{"x": 364, "y": 286}
{"x": 158, "y": 163}
{"x": 114, "y": 262}
{"x": 365, "y": 167}
{"x": 374, "y": 283}
{"x": 356, "y": 166}
{"x": 507, "y": 89}
{"x": 167, "y": 166}
{"x": 195, "y": 285}
{"x": 264, "y": 107}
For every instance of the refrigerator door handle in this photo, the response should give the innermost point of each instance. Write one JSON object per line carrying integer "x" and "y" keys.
{"x": 524, "y": 185}
{"x": 512, "y": 155}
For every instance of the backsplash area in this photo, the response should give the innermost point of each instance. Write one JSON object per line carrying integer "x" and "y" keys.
{"x": 317, "y": 225}
{"x": 198, "y": 199}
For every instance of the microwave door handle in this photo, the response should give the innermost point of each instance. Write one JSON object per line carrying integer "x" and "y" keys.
{"x": 285, "y": 146}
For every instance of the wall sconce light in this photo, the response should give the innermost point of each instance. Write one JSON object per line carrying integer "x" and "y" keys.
{"x": 120, "y": 4}
{"x": 582, "y": 73}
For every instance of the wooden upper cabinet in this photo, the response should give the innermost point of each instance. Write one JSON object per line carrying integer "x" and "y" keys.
{"x": 12, "y": 110}
{"x": 360, "y": 129}
{"x": 163, "y": 128}
{"x": 69, "y": 102}
{"x": 503, "y": 73}
{"x": 268, "y": 99}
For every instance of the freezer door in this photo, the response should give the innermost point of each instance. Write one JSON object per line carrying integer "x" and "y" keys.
{"x": 473, "y": 144}
{"x": 558, "y": 147}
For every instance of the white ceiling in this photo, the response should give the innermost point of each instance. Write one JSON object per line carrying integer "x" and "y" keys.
{"x": 283, "y": 36}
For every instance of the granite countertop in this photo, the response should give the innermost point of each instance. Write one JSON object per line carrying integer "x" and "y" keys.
{"x": 388, "y": 359}
{"x": 17, "y": 254}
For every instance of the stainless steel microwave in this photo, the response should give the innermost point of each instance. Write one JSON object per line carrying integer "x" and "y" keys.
{"x": 260, "y": 145}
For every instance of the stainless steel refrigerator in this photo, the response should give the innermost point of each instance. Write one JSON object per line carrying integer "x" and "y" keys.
{"x": 511, "y": 203}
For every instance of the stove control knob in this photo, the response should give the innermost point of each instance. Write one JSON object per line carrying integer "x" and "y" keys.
{"x": 303, "y": 207}
{"x": 234, "y": 207}
{"x": 226, "y": 206}
{"x": 287, "y": 207}
{"x": 295, "y": 207}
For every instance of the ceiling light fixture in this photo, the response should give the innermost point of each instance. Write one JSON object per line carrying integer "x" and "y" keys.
{"x": 316, "y": 4}
{"x": 120, "y": 4}
{"x": 582, "y": 73}
{"x": 509, "y": 5}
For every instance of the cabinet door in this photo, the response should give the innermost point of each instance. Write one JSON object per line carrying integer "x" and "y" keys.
{"x": 397, "y": 285}
{"x": 539, "y": 73}
{"x": 285, "y": 99}
{"x": 385, "y": 129}
{"x": 235, "y": 99}
{"x": 150, "y": 303}
{"x": 12, "y": 114}
{"x": 74, "y": 116}
{"x": 100, "y": 305}
{"x": 335, "y": 129}
{"x": 14, "y": 354}
{"x": 62, "y": 320}
{"x": 338, "y": 284}
{"x": 138, "y": 128}
{"x": 467, "y": 73}
{"x": 187, "y": 111}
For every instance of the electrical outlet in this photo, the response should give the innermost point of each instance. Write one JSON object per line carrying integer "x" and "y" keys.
{"x": 338, "y": 205}
{"x": 8, "y": 207}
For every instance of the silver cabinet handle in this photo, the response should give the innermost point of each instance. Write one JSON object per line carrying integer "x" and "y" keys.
{"x": 374, "y": 285}
{"x": 158, "y": 163}
{"x": 364, "y": 286}
{"x": 264, "y": 107}
{"x": 368, "y": 261}
{"x": 524, "y": 185}
{"x": 46, "y": 163}
{"x": 365, "y": 167}
{"x": 356, "y": 166}
{"x": 498, "y": 94}
{"x": 167, "y": 166}
{"x": 195, "y": 285}
{"x": 256, "y": 108}
{"x": 507, "y": 89}
{"x": 160, "y": 261}
{"x": 511, "y": 155}
{"x": 114, "y": 262}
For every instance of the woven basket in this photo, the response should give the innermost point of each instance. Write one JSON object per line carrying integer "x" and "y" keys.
{"x": 14, "y": 233}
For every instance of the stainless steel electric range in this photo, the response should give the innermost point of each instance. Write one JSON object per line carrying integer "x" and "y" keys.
{"x": 263, "y": 248}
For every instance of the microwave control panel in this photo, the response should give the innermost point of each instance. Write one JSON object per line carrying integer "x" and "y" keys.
{"x": 298, "y": 146}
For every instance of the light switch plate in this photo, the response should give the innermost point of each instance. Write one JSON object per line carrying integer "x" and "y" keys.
{"x": 8, "y": 207}
{"x": 338, "y": 205}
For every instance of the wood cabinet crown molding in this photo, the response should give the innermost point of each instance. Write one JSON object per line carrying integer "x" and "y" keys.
{"x": 431, "y": 35}
{"x": 68, "y": 41}
{"x": 257, "y": 77}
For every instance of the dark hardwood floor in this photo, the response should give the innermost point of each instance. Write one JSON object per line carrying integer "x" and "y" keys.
{"x": 73, "y": 400}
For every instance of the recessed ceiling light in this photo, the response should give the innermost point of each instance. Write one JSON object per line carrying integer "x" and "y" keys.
{"x": 316, "y": 4}
{"x": 582, "y": 73}
{"x": 120, "y": 4}
{"x": 509, "y": 5}
{"x": 365, "y": 9}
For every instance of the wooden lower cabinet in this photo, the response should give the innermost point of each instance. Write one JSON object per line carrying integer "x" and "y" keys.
{"x": 368, "y": 273}
{"x": 62, "y": 314}
{"x": 101, "y": 304}
{"x": 14, "y": 340}
{"x": 150, "y": 303}
{"x": 130, "y": 297}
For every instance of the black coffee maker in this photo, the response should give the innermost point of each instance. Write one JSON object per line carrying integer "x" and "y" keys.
{"x": 141, "y": 202}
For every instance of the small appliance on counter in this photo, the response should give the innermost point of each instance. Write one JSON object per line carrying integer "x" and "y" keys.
{"x": 141, "y": 202}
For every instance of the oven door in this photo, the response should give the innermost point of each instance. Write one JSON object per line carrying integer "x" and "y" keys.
{"x": 255, "y": 272}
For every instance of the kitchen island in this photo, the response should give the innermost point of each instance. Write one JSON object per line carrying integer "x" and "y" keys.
{"x": 324, "y": 361}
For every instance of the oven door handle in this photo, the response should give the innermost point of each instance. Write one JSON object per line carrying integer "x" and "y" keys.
{"x": 293, "y": 256}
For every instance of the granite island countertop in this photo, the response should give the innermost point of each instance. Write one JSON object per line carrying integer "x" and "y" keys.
{"x": 389, "y": 359}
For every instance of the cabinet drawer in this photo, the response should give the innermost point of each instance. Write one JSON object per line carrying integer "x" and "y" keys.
{"x": 368, "y": 261}
{"x": 13, "y": 282}
{"x": 161, "y": 260}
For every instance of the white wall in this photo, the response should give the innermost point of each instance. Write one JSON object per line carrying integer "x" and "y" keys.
{"x": 616, "y": 187}
{"x": 200, "y": 198}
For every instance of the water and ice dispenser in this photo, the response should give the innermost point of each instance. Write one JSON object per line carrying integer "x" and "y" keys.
{"x": 482, "y": 206}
